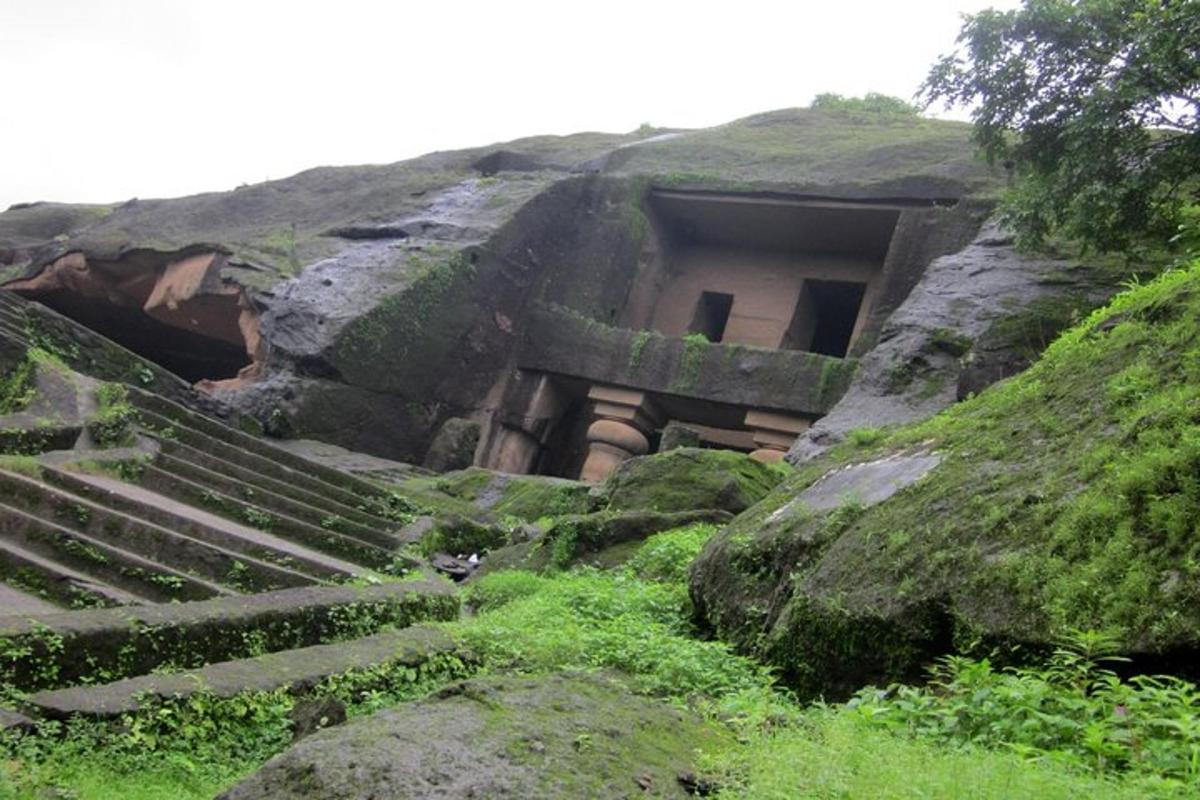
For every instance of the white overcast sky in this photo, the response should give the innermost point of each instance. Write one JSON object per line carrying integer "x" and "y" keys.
{"x": 104, "y": 100}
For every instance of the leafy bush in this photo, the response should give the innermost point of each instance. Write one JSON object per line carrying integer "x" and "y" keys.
{"x": 1073, "y": 709}
{"x": 871, "y": 103}
{"x": 666, "y": 556}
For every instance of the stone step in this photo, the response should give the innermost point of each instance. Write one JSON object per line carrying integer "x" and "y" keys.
{"x": 297, "y": 670}
{"x": 87, "y": 351}
{"x": 268, "y": 500}
{"x": 14, "y": 602}
{"x": 54, "y": 581}
{"x": 283, "y": 526}
{"x": 355, "y": 487}
{"x": 13, "y": 326}
{"x": 277, "y": 560}
{"x": 52, "y": 651}
{"x": 102, "y": 561}
{"x": 89, "y": 513}
{"x": 232, "y": 454}
{"x": 252, "y": 477}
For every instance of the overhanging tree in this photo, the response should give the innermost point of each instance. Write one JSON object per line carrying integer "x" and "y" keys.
{"x": 1096, "y": 103}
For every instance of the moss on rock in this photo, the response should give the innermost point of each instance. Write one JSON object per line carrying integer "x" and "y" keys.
{"x": 1066, "y": 498}
{"x": 689, "y": 478}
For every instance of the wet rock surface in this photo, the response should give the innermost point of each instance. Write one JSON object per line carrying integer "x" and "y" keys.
{"x": 566, "y": 735}
{"x": 927, "y": 347}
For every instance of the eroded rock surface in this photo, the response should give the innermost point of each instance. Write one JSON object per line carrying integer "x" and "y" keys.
{"x": 574, "y": 735}
{"x": 950, "y": 330}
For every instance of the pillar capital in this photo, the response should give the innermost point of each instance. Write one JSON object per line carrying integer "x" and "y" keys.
{"x": 623, "y": 421}
{"x": 774, "y": 433}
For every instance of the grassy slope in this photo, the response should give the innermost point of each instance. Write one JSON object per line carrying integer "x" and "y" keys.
{"x": 634, "y": 620}
{"x": 1068, "y": 498}
{"x": 805, "y": 146}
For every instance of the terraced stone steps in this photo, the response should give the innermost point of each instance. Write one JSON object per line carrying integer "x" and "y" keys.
{"x": 267, "y": 500}
{"x": 53, "y": 651}
{"x": 376, "y": 555}
{"x": 203, "y": 546}
{"x": 15, "y": 601}
{"x": 147, "y": 580}
{"x": 298, "y": 670}
{"x": 273, "y": 461}
{"x": 283, "y": 558}
{"x": 205, "y": 458}
{"x": 56, "y": 582}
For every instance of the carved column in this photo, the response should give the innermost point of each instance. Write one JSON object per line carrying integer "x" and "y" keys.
{"x": 774, "y": 434}
{"x": 624, "y": 420}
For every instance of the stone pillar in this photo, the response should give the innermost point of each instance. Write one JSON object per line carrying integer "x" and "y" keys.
{"x": 624, "y": 420}
{"x": 774, "y": 434}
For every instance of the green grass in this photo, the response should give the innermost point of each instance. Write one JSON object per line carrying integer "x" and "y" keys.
{"x": 1066, "y": 499}
{"x": 834, "y": 755}
{"x": 634, "y": 619}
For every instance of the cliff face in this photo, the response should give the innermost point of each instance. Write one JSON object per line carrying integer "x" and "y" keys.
{"x": 367, "y": 305}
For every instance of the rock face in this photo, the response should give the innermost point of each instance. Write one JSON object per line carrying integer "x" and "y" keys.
{"x": 367, "y": 306}
{"x": 689, "y": 478}
{"x": 976, "y": 316}
{"x": 1052, "y": 502}
{"x": 528, "y": 738}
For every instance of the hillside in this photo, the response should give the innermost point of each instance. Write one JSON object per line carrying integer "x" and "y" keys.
{"x": 1062, "y": 499}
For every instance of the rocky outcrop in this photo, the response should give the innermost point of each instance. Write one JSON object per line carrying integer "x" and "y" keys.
{"x": 975, "y": 316}
{"x": 365, "y": 306}
{"x": 1060, "y": 500}
{"x": 564, "y": 735}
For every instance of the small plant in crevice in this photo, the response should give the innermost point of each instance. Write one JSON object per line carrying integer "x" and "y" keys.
{"x": 112, "y": 425}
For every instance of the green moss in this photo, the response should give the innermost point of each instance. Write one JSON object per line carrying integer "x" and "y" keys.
{"x": 691, "y": 362}
{"x": 403, "y": 319}
{"x": 637, "y": 347}
{"x": 112, "y": 424}
{"x": 17, "y": 388}
{"x": 952, "y": 342}
{"x": 1066, "y": 499}
{"x": 689, "y": 478}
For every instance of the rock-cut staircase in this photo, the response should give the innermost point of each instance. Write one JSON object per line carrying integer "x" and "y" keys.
{"x": 199, "y": 558}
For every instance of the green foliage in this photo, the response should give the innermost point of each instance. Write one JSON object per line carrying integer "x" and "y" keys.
{"x": 113, "y": 422}
{"x": 870, "y": 103}
{"x": 617, "y": 620}
{"x": 666, "y": 556}
{"x": 691, "y": 362}
{"x": 193, "y": 748}
{"x": 17, "y": 388}
{"x": 1072, "y": 708}
{"x": 830, "y": 753}
{"x": 865, "y": 437}
{"x": 637, "y": 347}
{"x": 1096, "y": 103}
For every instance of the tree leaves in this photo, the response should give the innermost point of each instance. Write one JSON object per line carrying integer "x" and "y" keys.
{"x": 1095, "y": 102}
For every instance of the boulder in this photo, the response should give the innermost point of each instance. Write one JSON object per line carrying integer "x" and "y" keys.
{"x": 689, "y": 478}
{"x": 1060, "y": 500}
{"x": 454, "y": 445}
{"x": 563, "y": 735}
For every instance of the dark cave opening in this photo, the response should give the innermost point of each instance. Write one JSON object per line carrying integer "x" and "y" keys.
{"x": 193, "y": 355}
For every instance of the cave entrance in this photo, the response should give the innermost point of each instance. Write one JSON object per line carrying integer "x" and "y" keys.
{"x": 193, "y": 355}
{"x": 825, "y": 318}
{"x": 712, "y": 315}
{"x": 171, "y": 309}
{"x": 775, "y": 254}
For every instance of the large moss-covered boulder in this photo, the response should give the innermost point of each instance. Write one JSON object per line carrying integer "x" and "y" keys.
{"x": 1065, "y": 498}
{"x": 567, "y": 735}
{"x": 688, "y": 478}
